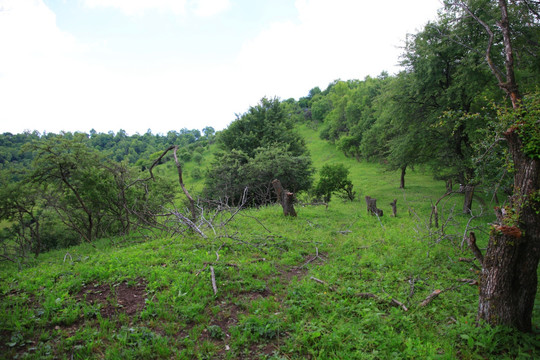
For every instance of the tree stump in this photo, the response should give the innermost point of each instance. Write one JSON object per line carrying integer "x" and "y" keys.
{"x": 285, "y": 197}
{"x": 394, "y": 207}
{"x": 372, "y": 206}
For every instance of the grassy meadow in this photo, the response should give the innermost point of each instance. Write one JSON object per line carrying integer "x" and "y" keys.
{"x": 333, "y": 283}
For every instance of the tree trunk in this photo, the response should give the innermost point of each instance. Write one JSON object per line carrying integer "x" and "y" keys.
{"x": 508, "y": 282}
{"x": 402, "y": 179}
{"x": 285, "y": 197}
{"x": 467, "y": 202}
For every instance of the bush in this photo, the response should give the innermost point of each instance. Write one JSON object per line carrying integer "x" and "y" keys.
{"x": 233, "y": 172}
{"x": 334, "y": 179}
{"x": 259, "y": 146}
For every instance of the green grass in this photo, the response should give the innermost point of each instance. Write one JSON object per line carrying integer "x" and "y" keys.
{"x": 276, "y": 298}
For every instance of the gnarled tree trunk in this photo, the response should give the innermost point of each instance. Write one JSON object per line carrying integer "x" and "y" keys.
{"x": 508, "y": 282}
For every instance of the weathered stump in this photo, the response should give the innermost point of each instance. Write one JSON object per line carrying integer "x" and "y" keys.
{"x": 372, "y": 206}
{"x": 285, "y": 197}
{"x": 434, "y": 217}
{"x": 394, "y": 207}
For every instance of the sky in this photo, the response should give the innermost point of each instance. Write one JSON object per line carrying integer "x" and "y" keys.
{"x": 135, "y": 65}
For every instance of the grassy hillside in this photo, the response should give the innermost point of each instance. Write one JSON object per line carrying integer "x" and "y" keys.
{"x": 333, "y": 283}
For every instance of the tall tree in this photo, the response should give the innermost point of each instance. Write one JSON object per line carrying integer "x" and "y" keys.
{"x": 508, "y": 282}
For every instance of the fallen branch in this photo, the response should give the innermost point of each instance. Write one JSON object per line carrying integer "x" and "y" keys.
{"x": 189, "y": 223}
{"x": 468, "y": 281}
{"x": 312, "y": 259}
{"x": 318, "y": 280}
{"x": 380, "y": 300}
{"x": 399, "y": 303}
{"x": 213, "y": 280}
{"x": 215, "y": 263}
{"x": 430, "y": 297}
{"x": 433, "y": 295}
{"x": 322, "y": 282}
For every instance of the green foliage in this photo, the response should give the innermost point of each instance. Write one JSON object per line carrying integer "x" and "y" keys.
{"x": 332, "y": 179}
{"x": 262, "y": 125}
{"x": 234, "y": 171}
{"x": 528, "y": 125}
{"x": 259, "y": 146}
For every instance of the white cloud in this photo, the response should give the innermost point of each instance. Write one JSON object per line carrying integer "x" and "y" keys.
{"x": 332, "y": 39}
{"x": 51, "y": 81}
{"x": 138, "y": 7}
{"x": 207, "y": 8}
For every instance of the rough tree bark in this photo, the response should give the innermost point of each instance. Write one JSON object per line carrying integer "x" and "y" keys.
{"x": 285, "y": 197}
{"x": 508, "y": 281}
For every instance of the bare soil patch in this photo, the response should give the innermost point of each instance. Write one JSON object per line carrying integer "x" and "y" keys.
{"x": 114, "y": 299}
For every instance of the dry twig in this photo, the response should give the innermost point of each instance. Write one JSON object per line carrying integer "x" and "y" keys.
{"x": 214, "y": 286}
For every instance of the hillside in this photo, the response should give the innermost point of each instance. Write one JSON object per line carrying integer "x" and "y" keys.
{"x": 334, "y": 282}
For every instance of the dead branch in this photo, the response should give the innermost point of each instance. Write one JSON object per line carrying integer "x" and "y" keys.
{"x": 317, "y": 256}
{"x": 259, "y": 221}
{"x": 181, "y": 181}
{"x": 380, "y": 300}
{"x": 468, "y": 281}
{"x": 189, "y": 223}
{"x": 399, "y": 303}
{"x": 318, "y": 280}
{"x": 5, "y": 257}
{"x": 433, "y": 295}
{"x": 200, "y": 271}
{"x": 468, "y": 224}
{"x": 471, "y": 261}
{"x": 332, "y": 288}
{"x": 242, "y": 203}
{"x": 430, "y": 297}
{"x": 474, "y": 248}
{"x": 213, "y": 274}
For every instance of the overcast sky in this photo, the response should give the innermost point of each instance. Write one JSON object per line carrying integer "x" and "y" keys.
{"x": 76, "y": 65}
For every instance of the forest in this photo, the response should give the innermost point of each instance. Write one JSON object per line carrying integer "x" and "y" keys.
{"x": 396, "y": 216}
